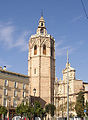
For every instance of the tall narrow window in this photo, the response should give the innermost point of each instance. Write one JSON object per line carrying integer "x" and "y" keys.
{"x": 44, "y": 49}
{"x": 41, "y": 31}
{"x": 5, "y": 91}
{"x": 35, "y": 50}
{"x": 6, "y": 83}
{"x": 15, "y": 93}
{"x": 5, "y": 102}
{"x": 23, "y": 94}
{"x": 15, "y": 85}
{"x": 24, "y": 86}
{"x": 35, "y": 71}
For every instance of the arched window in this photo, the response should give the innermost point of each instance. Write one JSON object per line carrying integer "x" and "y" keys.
{"x": 41, "y": 24}
{"x": 44, "y": 49}
{"x": 41, "y": 31}
{"x": 35, "y": 71}
{"x": 35, "y": 50}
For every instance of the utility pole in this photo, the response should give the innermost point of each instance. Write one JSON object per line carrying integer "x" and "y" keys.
{"x": 67, "y": 88}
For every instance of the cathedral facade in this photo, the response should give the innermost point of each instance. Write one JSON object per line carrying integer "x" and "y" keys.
{"x": 60, "y": 92}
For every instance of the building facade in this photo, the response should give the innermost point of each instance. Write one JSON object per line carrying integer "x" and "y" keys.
{"x": 14, "y": 89}
{"x": 75, "y": 86}
{"x": 41, "y": 63}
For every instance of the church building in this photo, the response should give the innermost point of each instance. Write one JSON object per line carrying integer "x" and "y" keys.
{"x": 16, "y": 88}
{"x": 41, "y": 63}
{"x": 60, "y": 92}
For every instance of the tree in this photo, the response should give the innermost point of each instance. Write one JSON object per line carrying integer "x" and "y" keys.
{"x": 79, "y": 107}
{"x": 50, "y": 108}
{"x": 38, "y": 110}
{"x": 22, "y": 109}
{"x": 86, "y": 107}
{"x": 28, "y": 110}
{"x": 3, "y": 110}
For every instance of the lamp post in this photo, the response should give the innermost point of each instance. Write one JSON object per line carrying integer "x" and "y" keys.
{"x": 34, "y": 91}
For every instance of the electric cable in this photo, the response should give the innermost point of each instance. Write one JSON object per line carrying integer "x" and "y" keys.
{"x": 84, "y": 8}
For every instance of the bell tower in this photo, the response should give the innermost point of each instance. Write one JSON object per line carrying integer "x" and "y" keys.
{"x": 41, "y": 63}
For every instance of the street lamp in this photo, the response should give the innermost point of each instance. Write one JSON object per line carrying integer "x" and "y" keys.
{"x": 34, "y": 91}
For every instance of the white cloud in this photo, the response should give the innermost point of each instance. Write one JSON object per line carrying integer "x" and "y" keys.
{"x": 62, "y": 50}
{"x": 77, "y": 18}
{"x": 58, "y": 43}
{"x": 21, "y": 42}
{"x": 6, "y": 35}
{"x": 9, "y": 37}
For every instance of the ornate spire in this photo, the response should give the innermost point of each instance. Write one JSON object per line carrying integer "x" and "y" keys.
{"x": 67, "y": 60}
{"x": 41, "y": 27}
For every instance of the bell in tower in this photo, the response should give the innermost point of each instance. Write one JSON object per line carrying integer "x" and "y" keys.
{"x": 41, "y": 27}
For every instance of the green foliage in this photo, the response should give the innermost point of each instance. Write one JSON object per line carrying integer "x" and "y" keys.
{"x": 28, "y": 110}
{"x": 79, "y": 107}
{"x": 3, "y": 110}
{"x": 38, "y": 109}
{"x": 50, "y": 108}
{"x": 86, "y": 107}
{"x": 22, "y": 109}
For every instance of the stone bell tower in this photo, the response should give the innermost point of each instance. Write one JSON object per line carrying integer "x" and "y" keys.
{"x": 41, "y": 63}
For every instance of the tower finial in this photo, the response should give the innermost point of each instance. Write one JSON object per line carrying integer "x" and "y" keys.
{"x": 42, "y": 13}
{"x": 67, "y": 64}
{"x": 67, "y": 57}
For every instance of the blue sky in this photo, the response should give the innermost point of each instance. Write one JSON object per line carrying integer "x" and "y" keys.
{"x": 65, "y": 21}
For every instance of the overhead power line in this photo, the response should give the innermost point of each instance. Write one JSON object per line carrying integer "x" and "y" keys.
{"x": 84, "y": 8}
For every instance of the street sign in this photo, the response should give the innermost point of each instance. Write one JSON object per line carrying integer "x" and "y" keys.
{"x": 85, "y": 110}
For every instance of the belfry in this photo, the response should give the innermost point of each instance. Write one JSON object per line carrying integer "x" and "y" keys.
{"x": 41, "y": 63}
